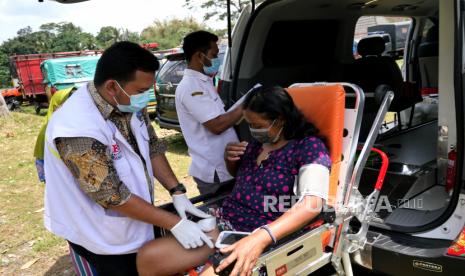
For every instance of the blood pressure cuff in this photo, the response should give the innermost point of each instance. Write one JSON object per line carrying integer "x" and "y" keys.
{"x": 313, "y": 179}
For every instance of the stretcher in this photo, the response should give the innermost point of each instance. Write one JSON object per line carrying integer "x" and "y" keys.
{"x": 336, "y": 109}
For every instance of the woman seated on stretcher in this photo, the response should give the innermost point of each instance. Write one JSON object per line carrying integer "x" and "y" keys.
{"x": 285, "y": 146}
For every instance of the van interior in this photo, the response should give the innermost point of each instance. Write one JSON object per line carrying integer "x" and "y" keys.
{"x": 313, "y": 41}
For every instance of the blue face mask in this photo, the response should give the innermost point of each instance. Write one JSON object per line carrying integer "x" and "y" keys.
{"x": 137, "y": 102}
{"x": 213, "y": 68}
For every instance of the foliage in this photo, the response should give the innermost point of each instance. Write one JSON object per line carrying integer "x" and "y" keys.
{"x": 65, "y": 36}
{"x": 109, "y": 35}
{"x": 169, "y": 33}
{"x": 218, "y": 9}
{"x": 51, "y": 37}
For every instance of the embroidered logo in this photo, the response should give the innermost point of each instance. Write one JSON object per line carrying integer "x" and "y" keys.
{"x": 115, "y": 152}
{"x": 140, "y": 116}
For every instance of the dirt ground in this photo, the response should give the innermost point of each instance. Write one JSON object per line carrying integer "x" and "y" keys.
{"x": 26, "y": 248}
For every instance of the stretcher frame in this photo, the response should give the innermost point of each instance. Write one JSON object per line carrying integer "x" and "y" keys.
{"x": 305, "y": 254}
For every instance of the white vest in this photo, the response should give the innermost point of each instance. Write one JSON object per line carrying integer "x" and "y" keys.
{"x": 69, "y": 212}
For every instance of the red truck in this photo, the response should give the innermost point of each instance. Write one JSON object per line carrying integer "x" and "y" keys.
{"x": 25, "y": 69}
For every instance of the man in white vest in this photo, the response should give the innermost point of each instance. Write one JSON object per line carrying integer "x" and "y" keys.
{"x": 101, "y": 158}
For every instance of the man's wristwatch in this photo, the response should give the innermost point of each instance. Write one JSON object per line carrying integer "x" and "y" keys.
{"x": 178, "y": 188}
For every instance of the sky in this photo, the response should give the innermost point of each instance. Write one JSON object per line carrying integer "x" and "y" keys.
{"x": 91, "y": 15}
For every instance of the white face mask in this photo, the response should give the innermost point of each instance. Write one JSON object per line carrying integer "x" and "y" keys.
{"x": 262, "y": 135}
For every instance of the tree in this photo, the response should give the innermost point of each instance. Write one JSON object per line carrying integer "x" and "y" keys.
{"x": 218, "y": 9}
{"x": 5, "y": 79}
{"x": 169, "y": 33}
{"x": 69, "y": 38}
{"x": 131, "y": 36}
{"x": 50, "y": 27}
{"x": 51, "y": 37}
{"x": 24, "y": 31}
{"x": 88, "y": 42}
{"x": 109, "y": 35}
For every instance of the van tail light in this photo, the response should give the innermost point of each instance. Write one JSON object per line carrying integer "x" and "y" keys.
{"x": 458, "y": 247}
{"x": 451, "y": 169}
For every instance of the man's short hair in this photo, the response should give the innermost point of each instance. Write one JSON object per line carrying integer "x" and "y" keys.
{"x": 197, "y": 41}
{"x": 121, "y": 61}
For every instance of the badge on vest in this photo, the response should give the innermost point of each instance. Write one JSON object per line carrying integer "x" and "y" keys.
{"x": 115, "y": 152}
{"x": 198, "y": 93}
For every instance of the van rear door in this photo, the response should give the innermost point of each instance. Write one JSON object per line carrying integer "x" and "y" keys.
{"x": 231, "y": 55}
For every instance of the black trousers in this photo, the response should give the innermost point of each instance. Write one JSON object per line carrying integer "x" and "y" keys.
{"x": 109, "y": 265}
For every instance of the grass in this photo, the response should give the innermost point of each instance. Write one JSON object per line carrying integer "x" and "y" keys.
{"x": 23, "y": 237}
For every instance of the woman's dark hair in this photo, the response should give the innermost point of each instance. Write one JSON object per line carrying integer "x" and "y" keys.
{"x": 121, "y": 61}
{"x": 275, "y": 103}
{"x": 197, "y": 41}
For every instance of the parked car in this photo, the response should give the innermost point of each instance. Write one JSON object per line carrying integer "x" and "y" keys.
{"x": 167, "y": 81}
{"x": 152, "y": 105}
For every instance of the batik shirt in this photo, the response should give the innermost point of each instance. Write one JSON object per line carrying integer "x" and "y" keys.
{"x": 90, "y": 161}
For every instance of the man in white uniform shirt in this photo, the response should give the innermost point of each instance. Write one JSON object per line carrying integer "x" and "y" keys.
{"x": 206, "y": 127}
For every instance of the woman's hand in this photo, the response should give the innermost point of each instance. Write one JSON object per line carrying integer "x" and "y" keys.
{"x": 245, "y": 252}
{"x": 234, "y": 151}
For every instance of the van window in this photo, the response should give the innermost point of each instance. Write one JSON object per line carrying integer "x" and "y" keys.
{"x": 427, "y": 29}
{"x": 428, "y": 52}
{"x": 393, "y": 30}
{"x": 291, "y": 43}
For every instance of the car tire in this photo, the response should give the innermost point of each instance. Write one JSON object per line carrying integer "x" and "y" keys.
{"x": 37, "y": 108}
{"x": 13, "y": 103}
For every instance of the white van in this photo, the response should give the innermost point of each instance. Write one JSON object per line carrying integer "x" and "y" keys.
{"x": 283, "y": 42}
